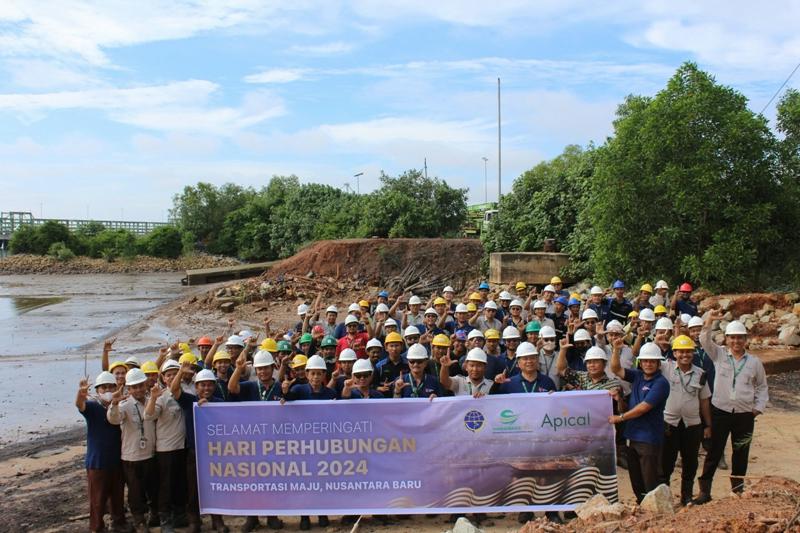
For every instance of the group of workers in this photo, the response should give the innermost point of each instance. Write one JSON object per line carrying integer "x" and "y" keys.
{"x": 672, "y": 387}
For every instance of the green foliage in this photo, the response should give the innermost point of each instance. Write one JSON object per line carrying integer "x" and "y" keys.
{"x": 202, "y": 209}
{"x": 22, "y": 240}
{"x": 164, "y": 241}
{"x": 60, "y": 251}
{"x": 111, "y": 244}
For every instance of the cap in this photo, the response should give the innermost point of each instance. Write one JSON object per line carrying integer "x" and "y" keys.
{"x": 417, "y": 352}
{"x": 461, "y": 308}
{"x": 353, "y": 307}
{"x": 415, "y": 300}
{"x": 440, "y": 301}
{"x": 589, "y": 313}
{"x": 187, "y": 358}
{"x": 683, "y": 342}
{"x": 374, "y": 343}
{"x": 685, "y": 287}
{"x": 661, "y": 284}
{"x": 381, "y": 308}
{"x": 490, "y": 305}
{"x": 563, "y": 300}
{"x": 647, "y": 315}
{"x": 363, "y": 303}
{"x": 316, "y": 362}
{"x": 685, "y": 318}
{"x": 646, "y": 288}
{"x": 448, "y": 289}
{"x": 520, "y": 286}
{"x": 441, "y": 340}
{"x": 573, "y": 301}
{"x": 664, "y": 323}
{"x": 298, "y": 361}
{"x": 306, "y": 338}
{"x": 549, "y": 288}
{"x": 483, "y": 285}
{"x": 735, "y": 328}
{"x": 540, "y": 304}
{"x": 104, "y": 378}
{"x": 475, "y": 296}
{"x": 614, "y": 326}
{"x": 533, "y": 327}
{"x": 505, "y": 295}
{"x": 595, "y": 352}
{"x": 302, "y": 309}
{"x": 132, "y": 361}
{"x": 269, "y": 344}
{"x": 383, "y": 294}
{"x": 284, "y": 346}
{"x": 431, "y": 311}
{"x": 471, "y": 307}
{"x": 350, "y": 320}
{"x": 659, "y": 309}
{"x": 596, "y": 290}
{"x": 170, "y": 364}
{"x": 390, "y": 322}
{"x": 332, "y": 309}
{"x": 149, "y": 367}
{"x": 205, "y": 375}
{"x": 205, "y": 341}
{"x": 696, "y": 322}
{"x": 235, "y": 340}
{"x": 516, "y": 302}
{"x": 327, "y": 342}
{"x": 475, "y": 334}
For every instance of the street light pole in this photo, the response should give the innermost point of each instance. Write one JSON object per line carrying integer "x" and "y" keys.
{"x": 358, "y": 182}
{"x": 485, "y": 179}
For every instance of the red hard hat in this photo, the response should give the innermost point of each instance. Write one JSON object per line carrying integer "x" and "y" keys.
{"x": 685, "y": 288}
{"x": 205, "y": 341}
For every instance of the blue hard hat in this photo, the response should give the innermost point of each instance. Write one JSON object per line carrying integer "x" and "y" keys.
{"x": 383, "y": 294}
{"x": 562, "y": 300}
{"x": 574, "y": 301}
{"x": 619, "y": 284}
{"x": 483, "y": 285}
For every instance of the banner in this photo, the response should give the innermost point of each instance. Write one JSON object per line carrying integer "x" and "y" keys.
{"x": 516, "y": 452}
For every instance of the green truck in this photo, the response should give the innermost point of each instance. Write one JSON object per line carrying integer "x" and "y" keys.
{"x": 479, "y": 216}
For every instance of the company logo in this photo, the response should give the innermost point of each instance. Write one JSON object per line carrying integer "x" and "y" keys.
{"x": 509, "y": 422}
{"x": 474, "y": 420}
{"x": 507, "y": 416}
{"x": 565, "y": 421}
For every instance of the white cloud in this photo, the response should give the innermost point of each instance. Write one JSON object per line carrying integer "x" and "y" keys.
{"x": 277, "y": 75}
{"x": 325, "y": 49}
{"x": 390, "y": 129}
{"x": 40, "y": 75}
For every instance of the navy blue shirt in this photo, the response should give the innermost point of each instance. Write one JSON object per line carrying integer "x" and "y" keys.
{"x": 103, "y": 439}
{"x": 428, "y": 386}
{"x": 615, "y": 310}
{"x": 254, "y": 391}
{"x": 649, "y": 427}
{"x": 355, "y": 394}
{"x": 686, "y": 306}
{"x": 305, "y": 392}
{"x": 542, "y": 383}
{"x": 186, "y": 401}
{"x": 702, "y": 360}
{"x": 387, "y": 370}
{"x": 452, "y": 326}
{"x": 511, "y": 364}
{"x": 494, "y": 365}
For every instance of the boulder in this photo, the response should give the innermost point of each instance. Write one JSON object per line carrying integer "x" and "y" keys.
{"x": 465, "y": 526}
{"x": 765, "y": 319}
{"x": 792, "y": 297}
{"x": 728, "y": 316}
{"x": 780, "y": 313}
{"x": 724, "y": 303}
{"x": 796, "y": 309}
{"x": 227, "y": 307}
{"x": 790, "y": 335}
{"x": 790, "y": 319}
{"x": 768, "y": 308}
{"x": 658, "y": 501}
{"x": 597, "y": 509}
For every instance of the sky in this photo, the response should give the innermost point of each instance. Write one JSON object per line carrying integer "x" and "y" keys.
{"x": 109, "y": 108}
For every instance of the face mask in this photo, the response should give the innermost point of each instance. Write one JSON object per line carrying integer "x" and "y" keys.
{"x": 549, "y": 345}
{"x": 106, "y": 396}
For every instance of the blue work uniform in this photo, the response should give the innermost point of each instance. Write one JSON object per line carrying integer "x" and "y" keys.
{"x": 255, "y": 391}
{"x": 518, "y": 383}
{"x": 355, "y": 394}
{"x": 103, "y": 439}
{"x": 429, "y": 385}
{"x": 388, "y": 370}
{"x": 649, "y": 427}
{"x": 686, "y": 307}
{"x": 305, "y": 392}
{"x": 186, "y": 401}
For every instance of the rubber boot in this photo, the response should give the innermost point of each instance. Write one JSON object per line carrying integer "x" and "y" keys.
{"x": 737, "y": 485}
{"x": 273, "y": 522}
{"x": 195, "y": 523}
{"x": 165, "y": 523}
{"x": 524, "y": 517}
{"x": 179, "y": 518}
{"x": 705, "y": 492}
{"x": 323, "y": 521}
{"x": 305, "y": 523}
{"x": 250, "y": 523}
{"x": 686, "y": 491}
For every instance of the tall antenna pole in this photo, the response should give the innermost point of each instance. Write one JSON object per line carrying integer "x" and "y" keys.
{"x": 425, "y": 162}
{"x": 499, "y": 158}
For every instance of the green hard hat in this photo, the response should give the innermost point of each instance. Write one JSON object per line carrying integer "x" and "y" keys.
{"x": 533, "y": 327}
{"x": 284, "y": 346}
{"x": 306, "y": 338}
{"x": 327, "y": 341}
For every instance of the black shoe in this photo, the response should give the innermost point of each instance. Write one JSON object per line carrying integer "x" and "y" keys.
{"x": 478, "y": 518}
{"x": 431, "y": 515}
{"x": 702, "y": 498}
{"x": 404, "y": 517}
{"x": 349, "y": 519}
{"x": 453, "y": 518}
{"x": 323, "y": 521}
{"x": 305, "y": 523}
{"x": 250, "y": 524}
{"x": 383, "y": 519}
{"x": 153, "y": 520}
{"x": 553, "y": 517}
{"x": 524, "y": 518}
{"x": 273, "y": 522}
{"x": 180, "y": 520}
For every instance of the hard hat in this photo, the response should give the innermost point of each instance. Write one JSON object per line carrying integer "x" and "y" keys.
{"x": 381, "y": 308}
{"x": 390, "y": 322}
{"x": 477, "y": 355}
{"x": 347, "y": 355}
{"x": 221, "y": 355}
{"x": 415, "y": 300}
{"x": 245, "y": 334}
{"x": 646, "y": 288}
{"x": 461, "y": 335}
{"x": 417, "y": 352}
{"x": 526, "y": 349}
{"x": 205, "y": 375}
{"x": 595, "y": 352}
{"x": 448, "y": 289}
{"x": 269, "y": 344}
{"x": 353, "y": 307}
{"x": 439, "y": 301}
{"x": 573, "y": 301}
{"x": 633, "y": 314}
{"x": 549, "y": 288}
{"x": 664, "y": 323}
{"x": 471, "y": 307}
{"x": 104, "y": 378}
{"x": 302, "y": 309}
{"x": 169, "y": 364}
{"x": 298, "y": 361}
{"x": 393, "y": 337}
{"x": 540, "y": 304}
{"x": 520, "y": 286}
{"x": 475, "y": 296}
{"x": 683, "y": 342}
{"x": 350, "y": 319}
{"x": 735, "y": 328}
{"x": 132, "y": 361}
{"x": 149, "y": 367}
{"x": 134, "y": 377}
{"x": 205, "y": 341}
{"x": 431, "y": 311}
{"x": 510, "y": 332}
{"x": 596, "y": 290}
{"x": 461, "y": 308}
{"x": 618, "y": 284}
{"x": 374, "y": 343}
{"x": 563, "y": 300}
{"x": 363, "y": 303}
{"x": 647, "y": 315}
{"x": 184, "y": 347}
{"x": 483, "y": 285}
{"x": 492, "y": 334}
{"x": 659, "y": 309}
{"x": 575, "y": 296}
{"x": 685, "y": 287}
{"x": 362, "y": 366}
{"x": 284, "y": 346}
{"x": 614, "y": 326}
{"x": 306, "y": 338}
{"x": 263, "y": 358}
{"x": 383, "y": 294}
{"x": 411, "y": 331}
{"x": 332, "y": 309}
{"x": 490, "y": 305}
{"x": 533, "y": 327}
{"x": 696, "y": 322}
{"x": 441, "y": 340}
{"x": 187, "y": 358}
{"x": 582, "y": 335}
{"x": 589, "y": 313}
{"x": 505, "y": 295}
{"x": 235, "y": 340}
{"x": 475, "y": 334}
{"x": 555, "y": 280}
{"x": 661, "y": 284}
{"x": 328, "y": 341}
{"x": 516, "y": 302}
{"x": 547, "y": 332}
{"x": 650, "y": 351}
{"x": 685, "y": 318}
{"x": 316, "y": 330}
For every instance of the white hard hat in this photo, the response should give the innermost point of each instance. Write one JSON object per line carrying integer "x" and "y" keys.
{"x": 589, "y": 313}
{"x": 540, "y": 304}
{"x": 664, "y": 323}
{"x": 245, "y": 334}
{"x": 411, "y": 330}
{"x": 352, "y": 308}
{"x": 302, "y": 309}
{"x": 431, "y": 311}
{"x": 361, "y": 366}
{"x": 316, "y": 362}
{"x": 647, "y": 315}
{"x": 263, "y": 358}
{"x": 414, "y": 300}
{"x": 650, "y": 351}
{"x": 695, "y": 322}
{"x": 661, "y": 284}
{"x": 546, "y": 332}
{"x": 374, "y": 343}
{"x": 417, "y": 352}
{"x": 390, "y": 322}
{"x": 104, "y": 378}
{"x": 595, "y": 352}
{"x": 505, "y": 295}
{"x": 582, "y": 335}
{"x": 685, "y": 318}
{"x": 510, "y": 332}
{"x": 448, "y": 289}
{"x": 735, "y": 328}
{"x": 234, "y": 340}
{"x": 475, "y": 334}
{"x": 347, "y": 355}
{"x": 332, "y": 309}
{"x": 462, "y": 308}
{"x": 614, "y": 325}
{"x": 526, "y": 349}
{"x": 490, "y": 305}
{"x": 516, "y": 303}
{"x": 205, "y": 375}
{"x": 133, "y": 361}
{"x": 170, "y": 364}
{"x": 350, "y": 319}
{"x": 596, "y": 290}
{"x": 381, "y": 308}
{"x": 477, "y": 355}
{"x": 549, "y": 288}
{"x": 134, "y": 377}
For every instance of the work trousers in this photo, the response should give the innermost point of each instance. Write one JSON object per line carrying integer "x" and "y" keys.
{"x": 172, "y": 481}
{"x": 644, "y": 460}
{"x": 142, "y": 480}
{"x": 106, "y": 489}
{"x": 686, "y": 440}
{"x": 192, "y": 501}
{"x": 740, "y": 428}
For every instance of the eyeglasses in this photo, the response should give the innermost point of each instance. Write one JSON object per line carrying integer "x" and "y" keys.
{"x": 362, "y": 376}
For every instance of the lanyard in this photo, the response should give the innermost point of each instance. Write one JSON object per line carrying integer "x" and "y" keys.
{"x": 415, "y": 390}
{"x": 547, "y": 367}
{"x": 224, "y": 391}
{"x": 469, "y": 386}
{"x": 737, "y": 371}
{"x": 268, "y": 395}
{"x": 680, "y": 377}
{"x": 534, "y": 388}
{"x": 139, "y": 417}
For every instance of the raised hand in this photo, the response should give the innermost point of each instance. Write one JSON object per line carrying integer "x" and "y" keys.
{"x": 400, "y": 384}
{"x": 642, "y": 331}
{"x": 241, "y": 362}
{"x": 83, "y": 389}
{"x": 155, "y": 391}
{"x": 220, "y": 339}
{"x": 618, "y": 343}
{"x": 287, "y": 384}
{"x": 502, "y": 378}
{"x": 565, "y": 344}
{"x": 108, "y": 345}
{"x": 717, "y": 314}
{"x": 385, "y": 387}
{"x": 118, "y": 396}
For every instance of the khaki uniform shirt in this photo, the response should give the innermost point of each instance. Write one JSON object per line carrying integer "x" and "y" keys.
{"x": 739, "y": 386}
{"x": 170, "y": 426}
{"x": 463, "y": 386}
{"x": 686, "y": 389}
{"x": 138, "y": 434}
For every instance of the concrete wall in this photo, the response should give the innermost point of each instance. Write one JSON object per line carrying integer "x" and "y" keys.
{"x": 530, "y": 267}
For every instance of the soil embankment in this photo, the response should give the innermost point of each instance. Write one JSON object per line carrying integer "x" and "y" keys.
{"x": 38, "y": 264}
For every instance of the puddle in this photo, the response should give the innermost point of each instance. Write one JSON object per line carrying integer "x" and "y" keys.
{"x": 11, "y": 306}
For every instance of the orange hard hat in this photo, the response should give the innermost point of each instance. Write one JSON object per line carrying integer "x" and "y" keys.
{"x": 205, "y": 341}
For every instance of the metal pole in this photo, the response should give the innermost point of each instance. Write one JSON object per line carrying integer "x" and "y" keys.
{"x": 425, "y": 162}
{"x": 358, "y": 182}
{"x": 485, "y": 179}
{"x": 499, "y": 158}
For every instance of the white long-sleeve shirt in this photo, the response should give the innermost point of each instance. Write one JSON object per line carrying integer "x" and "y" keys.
{"x": 129, "y": 416}
{"x": 750, "y": 392}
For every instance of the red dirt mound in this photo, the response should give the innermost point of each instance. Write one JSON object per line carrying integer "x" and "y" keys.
{"x": 742, "y": 304}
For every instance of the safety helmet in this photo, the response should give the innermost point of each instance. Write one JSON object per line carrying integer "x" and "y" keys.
{"x": 306, "y": 338}
{"x": 353, "y": 307}
{"x": 361, "y": 366}
{"x": 245, "y": 334}
{"x": 483, "y": 285}
{"x": 490, "y": 305}
{"x": 516, "y": 302}
{"x": 187, "y": 358}
{"x": 477, "y": 355}
{"x": 661, "y": 284}
{"x": 460, "y": 335}
{"x": 475, "y": 334}
{"x": 582, "y": 335}
{"x": 533, "y": 327}
{"x": 664, "y": 323}
{"x": 475, "y": 296}
{"x": 390, "y": 322}
{"x": 510, "y": 332}
{"x": 549, "y": 288}
{"x": 235, "y": 340}
{"x": 431, "y": 311}
{"x": 415, "y": 300}
{"x": 540, "y": 304}
{"x": 547, "y": 332}
{"x": 134, "y": 376}
{"x": 685, "y": 287}
{"x": 614, "y": 326}
{"x": 263, "y": 358}
{"x": 184, "y": 347}
{"x": 659, "y": 309}
{"x": 328, "y": 341}
{"x": 269, "y": 344}
{"x": 316, "y": 362}
{"x": 441, "y": 340}
{"x": 647, "y": 315}
{"x": 374, "y": 343}
{"x": 735, "y": 328}
{"x": 618, "y": 284}
{"x": 221, "y": 355}
{"x": 555, "y": 280}
{"x": 563, "y": 300}
{"x": 363, "y": 303}
{"x": 417, "y": 352}
{"x": 170, "y": 364}
{"x": 520, "y": 286}
{"x": 205, "y": 375}
{"x": 461, "y": 308}
{"x": 650, "y": 351}
{"x": 595, "y": 352}
{"x": 646, "y": 288}
{"x": 505, "y": 295}
{"x": 332, "y": 309}
{"x": 350, "y": 319}
{"x": 284, "y": 346}
{"x": 492, "y": 334}
{"x": 347, "y": 355}
{"x": 696, "y": 322}
{"x": 596, "y": 290}
{"x": 393, "y": 337}
{"x": 381, "y": 308}
{"x": 132, "y": 361}
{"x": 633, "y": 314}
{"x": 298, "y": 361}
{"x": 685, "y": 318}
{"x": 104, "y": 378}
{"x": 411, "y": 331}
{"x": 589, "y": 313}
{"x": 573, "y": 301}
{"x": 448, "y": 289}
{"x": 383, "y": 294}
{"x": 471, "y": 307}
{"x": 526, "y": 349}
{"x": 439, "y": 301}
{"x": 683, "y": 342}
{"x": 149, "y": 367}
{"x": 205, "y": 341}
{"x": 302, "y": 309}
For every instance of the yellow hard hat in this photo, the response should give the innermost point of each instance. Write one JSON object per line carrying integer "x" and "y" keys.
{"x": 683, "y": 342}
{"x": 393, "y": 337}
{"x": 115, "y": 364}
{"x": 188, "y": 357}
{"x": 633, "y": 314}
{"x": 363, "y": 303}
{"x": 221, "y": 356}
{"x": 441, "y": 340}
{"x": 149, "y": 367}
{"x": 492, "y": 334}
{"x": 646, "y": 288}
{"x": 269, "y": 345}
{"x": 520, "y": 286}
{"x": 555, "y": 279}
{"x": 440, "y": 301}
{"x": 576, "y": 295}
{"x": 475, "y": 296}
{"x": 298, "y": 361}
{"x": 471, "y": 307}
{"x": 659, "y": 309}
{"x": 184, "y": 347}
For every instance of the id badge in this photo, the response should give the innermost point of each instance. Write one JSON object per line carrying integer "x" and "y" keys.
{"x": 142, "y": 444}
{"x": 733, "y": 394}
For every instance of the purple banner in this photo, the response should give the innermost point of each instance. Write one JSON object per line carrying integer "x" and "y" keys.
{"x": 517, "y": 452}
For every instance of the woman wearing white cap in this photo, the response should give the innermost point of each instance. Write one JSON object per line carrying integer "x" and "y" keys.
{"x": 539, "y": 314}
{"x": 344, "y": 370}
{"x": 515, "y": 315}
{"x": 413, "y": 315}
